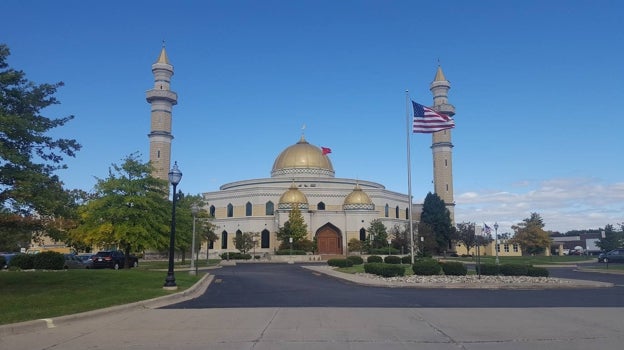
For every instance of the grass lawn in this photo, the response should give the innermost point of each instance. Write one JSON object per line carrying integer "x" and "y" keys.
{"x": 31, "y": 295}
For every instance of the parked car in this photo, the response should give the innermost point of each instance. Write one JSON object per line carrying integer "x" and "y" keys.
{"x": 7, "y": 259}
{"x": 113, "y": 259}
{"x": 616, "y": 255}
{"x": 86, "y": 260}
{"x": 72, "y": 262}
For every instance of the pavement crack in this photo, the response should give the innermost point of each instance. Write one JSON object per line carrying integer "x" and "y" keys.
{"x": 268, "y": 324}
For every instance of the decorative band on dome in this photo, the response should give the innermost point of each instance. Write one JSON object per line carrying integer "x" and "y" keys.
{"x": 289, "y": 172}
{"x": 359, "y": 206}
{"x": 290, "y": 206}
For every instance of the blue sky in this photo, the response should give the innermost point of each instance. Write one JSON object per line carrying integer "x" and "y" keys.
{"x": 538, "y": 88}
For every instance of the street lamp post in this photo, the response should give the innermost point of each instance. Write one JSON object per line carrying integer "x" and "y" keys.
{"x": 193, "y": 270}
{"x": 496, "y": 244}
{"x": 175, "y": 175}
{"x": 254, "y": 247}
{"x": 389, "y": 241}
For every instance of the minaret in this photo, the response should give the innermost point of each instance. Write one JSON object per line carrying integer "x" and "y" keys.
{"x": 162, "y": 99}
{"x": 441, "y": 144}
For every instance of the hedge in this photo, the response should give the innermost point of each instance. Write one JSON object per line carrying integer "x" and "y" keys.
{"x": 340, "y": 262}
{"x": 537, "y": 272}
{"x": 355, "y": 259}
{"x": 454, "y": 268}
{"x": 22, "y": 261}
{"x": 514, "y": 270}
{"x": 235, "y": 256}
{"x": 291, "y": 252}
{"x": 385, "y": 270}
{"x": 49, "y": 261}
{"x": 384, "y": 251}
{"x": 488, "y": 269}
{"x": 406, "y": 259}
{"x": 374, "y": 259}
{"x": 426, "y": 267}
{"x": 392, "y": 259}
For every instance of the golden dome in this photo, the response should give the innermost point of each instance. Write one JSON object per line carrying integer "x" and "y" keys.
{"x": 303, "y": 159}
{"x": 358, "y": 199}
{"x": 293, "y": 197}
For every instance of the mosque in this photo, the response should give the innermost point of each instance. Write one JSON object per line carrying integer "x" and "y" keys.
{"x": 335, "y": 210}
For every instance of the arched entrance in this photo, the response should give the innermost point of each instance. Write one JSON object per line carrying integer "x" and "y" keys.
{"x": 328, "y": 240}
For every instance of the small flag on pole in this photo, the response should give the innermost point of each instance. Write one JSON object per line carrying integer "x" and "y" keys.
{"x": 427, "y": 121}
{"x": 486, "y": 229}
{"x": 325, "y": 150}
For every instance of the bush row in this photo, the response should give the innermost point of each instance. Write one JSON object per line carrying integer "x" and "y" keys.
{"x": 356, "y": 260}
{"x": 340, "y": 262}
{"x": 235, "y": 256}
{"x": 42, "y": 261}
{"x": 512, "y": 270}
{"x": 290, "y": 252}
{"x": 385, "y": 270}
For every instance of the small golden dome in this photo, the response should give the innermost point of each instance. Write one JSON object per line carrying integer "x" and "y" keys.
{"x": 293, "y": 196}
{"x": 358, "y": 200}
{"x": 303, "y": 159}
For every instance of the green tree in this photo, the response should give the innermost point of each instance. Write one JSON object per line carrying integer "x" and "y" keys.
{"x": 377, "y": 234}
{"x": 245, "y": 241}
{"x": 31, "y": 194}
{"x": 401, "y": 237}
{"x": 294, "y": 228}
{"x": 129, "y": 210}
{"x": 466, "y": 235}
{"x": 612, "y": 240}
{"x": 530, "y": 235}
{"x": 438, "y": 217}
{"x": 355, "y": 245}
{"x": 425, "y": 240}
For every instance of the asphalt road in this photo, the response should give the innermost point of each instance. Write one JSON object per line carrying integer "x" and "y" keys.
{"x": 283, "y": 285}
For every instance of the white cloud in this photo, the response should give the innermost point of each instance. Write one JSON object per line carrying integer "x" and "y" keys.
{"x": 564, "y": 204}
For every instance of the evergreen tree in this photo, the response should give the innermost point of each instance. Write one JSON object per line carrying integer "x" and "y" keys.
{"x": 612, "y": 240}
{"x": 294, "y": 228}
{"x": 378, "y": 235}
{"x": 438, "y": 217}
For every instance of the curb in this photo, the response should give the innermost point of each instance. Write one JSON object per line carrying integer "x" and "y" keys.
{"x": 35, "y": 325}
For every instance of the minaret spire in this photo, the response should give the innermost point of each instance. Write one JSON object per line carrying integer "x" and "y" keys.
{"x": 441, "y": 145}
{"x": 162, "y": 100}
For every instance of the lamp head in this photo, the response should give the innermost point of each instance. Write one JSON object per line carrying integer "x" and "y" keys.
{"x": 175, "y": 175}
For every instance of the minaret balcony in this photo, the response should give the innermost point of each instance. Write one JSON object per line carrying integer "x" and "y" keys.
{"x": 446, "y": 109}
{"x": 166, "y": 95}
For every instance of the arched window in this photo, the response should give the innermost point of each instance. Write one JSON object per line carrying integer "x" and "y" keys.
{"x": 248, "y": 209}
{"x": 230, "y": 210}
{"x": 387, "y": 210}
{"x": 212, "y": 211}
{"x": 211, "y": 245}
{"x": 320, "y": 206}
{"x": 407, "y": 213}
{"x": 239, "y": 234}
{"x": 269, "y": 208}
{"x": 224, "y": 239}
{"x": 265, "y": 239}
{"x": 362, "y": 234}
{"x": 396, "y": 212}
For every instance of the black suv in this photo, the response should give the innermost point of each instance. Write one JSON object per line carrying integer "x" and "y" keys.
{"x": 113, "y": 259}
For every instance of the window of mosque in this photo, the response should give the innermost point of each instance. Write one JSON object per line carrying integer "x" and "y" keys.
{"x": 248, "y": 209}
{"x": 211, "y": 245}
{"x": 446, "y": 162}
{"x": 269, "y": 208}
{"x": 320, "y": 206}
{"x": 230, "y": 210}
{"x": 158, "y": 154}
{"x": 396, "y": 212}
{"x": 265, "y": 239}
{"x": 239, "y": 234}
{"x": 212, "y": 211}
{"x": 362, "y": 234}
{"x": 387, "y": 210}
{"x": 407, "y": 213}
{"x": 224, "y": 238}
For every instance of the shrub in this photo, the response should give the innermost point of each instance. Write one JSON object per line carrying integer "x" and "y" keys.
{"x": 22, "y": 261}
{"x": 488, "y": 269}
{"x": 355, "y": 259}
{"x": 537, "y": 272}
{"x": 340, "y": 262}
{"x": 385, "y": 270}
{"x": 392, "y": 259}
{"x": 384, "y": 251}
{"x": 235, "y": 256}
{"x": 406, "y": 259}
{"x": 49, "y": 261}
{"x": 289, "y": 252}
{"x": 426, "y": 267}
{"x": 374, "y": 259}
{"x": 454, "y": 268}
{"x": 514, "y": 269}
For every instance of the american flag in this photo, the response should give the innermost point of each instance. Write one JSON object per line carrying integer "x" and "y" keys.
{"x": 486, "y": 229}
{"x": 427, "y": 121}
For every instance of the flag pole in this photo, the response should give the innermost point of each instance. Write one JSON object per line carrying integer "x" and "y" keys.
{"x": 409, "y": 176}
